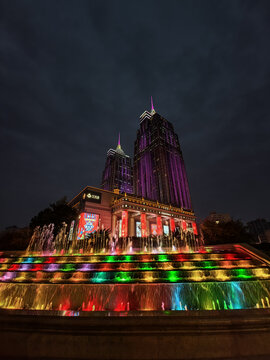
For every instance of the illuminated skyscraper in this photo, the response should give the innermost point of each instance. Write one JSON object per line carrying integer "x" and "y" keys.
{"x": 159, "y": 169}
{"x": 118, "y": 171}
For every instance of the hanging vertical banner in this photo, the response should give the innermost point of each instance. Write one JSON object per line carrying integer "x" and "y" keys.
{"x": 71, "y": 229}
{"x": 143, "y": 225}
{"x": 88, "y": 224}
{"x": 119, "y": 225}
{"x": 172, "y": 224}
{"x": 154, "y": 229}
{"x": 194, "y": 226}
{"x": 124, "y": 229}
{"x": 159, "y": 226}
{"x": 166, "y": 230}
{"x": 138, "y": 229}
{"x": 184, "y": 225}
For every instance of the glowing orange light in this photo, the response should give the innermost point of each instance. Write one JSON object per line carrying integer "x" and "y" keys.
{"x": 143, "y": 225}
{"x": 124, "y": 229}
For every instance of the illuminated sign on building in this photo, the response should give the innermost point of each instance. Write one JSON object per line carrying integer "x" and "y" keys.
{"x": 166, "y": 229}
{"x": 71, "y": 230}
{"x": 138, "y": 229}
{"x": 88, "y": 224}
{"x": 154, "y": 229}
{"x": 119, "y": 227}
{"x": 93, "y": 196}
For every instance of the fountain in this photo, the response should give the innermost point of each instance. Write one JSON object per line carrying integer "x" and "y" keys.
{"x": 139, "y": 291}
{"x": 101, "y": 273}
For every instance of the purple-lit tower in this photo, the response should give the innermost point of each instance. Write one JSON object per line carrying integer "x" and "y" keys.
{"x": 159, "y": 169}
{"x": 118, "y": 171}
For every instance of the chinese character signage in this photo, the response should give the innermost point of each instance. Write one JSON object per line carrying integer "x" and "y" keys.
{"x": 93, "y": 196}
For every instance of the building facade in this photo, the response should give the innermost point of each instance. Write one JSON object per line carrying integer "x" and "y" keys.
{"x": 127, "y": 215}
{"x": 159, "y": 171}
{"x": 156, "y": 201}
{"x": 117, "y": 173}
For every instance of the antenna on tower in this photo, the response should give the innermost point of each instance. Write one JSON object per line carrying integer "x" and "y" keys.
{"x": 152, "y": 106}
{"x": 119, "y": 144}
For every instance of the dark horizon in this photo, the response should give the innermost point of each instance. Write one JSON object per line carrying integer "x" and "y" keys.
{"x": 75, "y": 75}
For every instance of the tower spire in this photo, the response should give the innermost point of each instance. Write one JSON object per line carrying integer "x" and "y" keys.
{"x": 152, "y": 106}
{"x": 119, "y": 144}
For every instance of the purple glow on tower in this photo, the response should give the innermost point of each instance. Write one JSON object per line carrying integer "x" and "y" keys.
{"x": 118, "y": 171}
{"x": 159, "y": 169}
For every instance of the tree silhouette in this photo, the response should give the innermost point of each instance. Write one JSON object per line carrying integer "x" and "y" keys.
{"x": 224, "y": 232}
{"x": 56, "y": 213}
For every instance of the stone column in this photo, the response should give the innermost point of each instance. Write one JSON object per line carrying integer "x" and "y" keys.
{"x": 131, "y": 225}
{"x": 114, "y": 220}
{"x": 148, "y": 227}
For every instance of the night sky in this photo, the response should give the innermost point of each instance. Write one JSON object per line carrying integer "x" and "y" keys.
{"x": 75, "y": 73}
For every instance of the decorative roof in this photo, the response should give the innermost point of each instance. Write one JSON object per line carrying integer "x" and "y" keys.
{"x": 118, "y": 148}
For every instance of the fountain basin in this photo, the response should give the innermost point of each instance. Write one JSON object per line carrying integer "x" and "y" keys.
{"x": 236, "y": 334}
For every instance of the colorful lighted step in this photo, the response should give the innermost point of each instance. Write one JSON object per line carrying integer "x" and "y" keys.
{"x": 147, "y": 276}
{"x": 132, "y": 266}
{"x": 126, "y": 258}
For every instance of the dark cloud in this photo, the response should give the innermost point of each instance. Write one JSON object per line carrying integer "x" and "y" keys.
{"x": 74, "y": 73}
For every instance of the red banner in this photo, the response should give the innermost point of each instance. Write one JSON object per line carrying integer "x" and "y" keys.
{"x": 184, "y": 225}
{"x": 194, "y": 226}
{"x": 124, "y": 229}
{"x": 143, "y": 225}
{"x": 159, "y": 226}
{"x": 172, "y": 224}
{"x": 87, "y": 225}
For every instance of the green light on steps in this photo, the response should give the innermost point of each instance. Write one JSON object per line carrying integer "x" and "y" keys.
{"x": 208, "y": 265}
{"x": 127, "y": 258}
{"x": 173, "y": 276}
{"x": 146, "y": 266}
{"x": 242, "y": 274}
{"x": 110, "y": 258}
{"x": 100, "y": 277}
{"x": 68, "y": 267}
{"x": 38, "y": 260}
{"x": 122, "y": 277}
{"x": 163, "y": 258}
